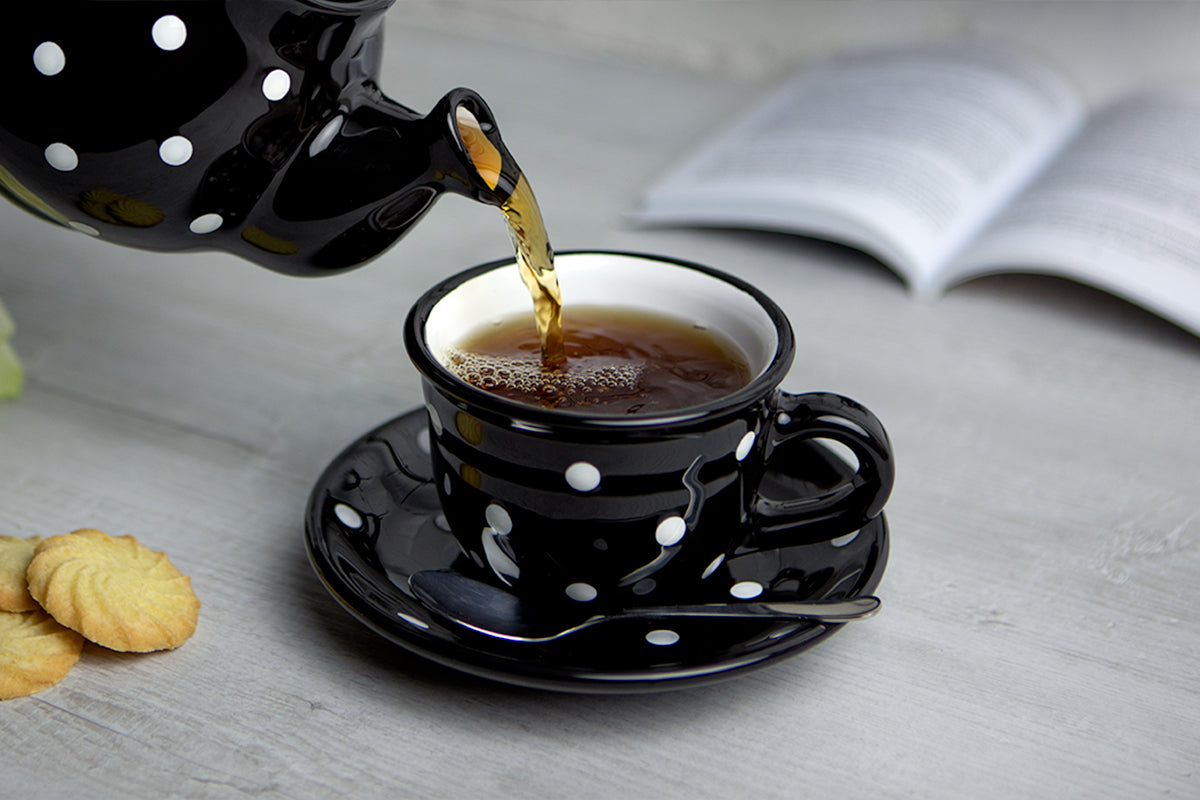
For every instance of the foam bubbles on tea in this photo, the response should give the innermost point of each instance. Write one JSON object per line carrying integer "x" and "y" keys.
{"x": 618, "y": 361}
{"x": 525, "y": 375}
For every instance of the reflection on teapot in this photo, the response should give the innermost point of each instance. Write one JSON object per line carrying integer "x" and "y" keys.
{"x": 251, "y": 126}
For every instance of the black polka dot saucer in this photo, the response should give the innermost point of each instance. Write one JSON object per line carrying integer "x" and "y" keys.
{"x": 374, "y": 519}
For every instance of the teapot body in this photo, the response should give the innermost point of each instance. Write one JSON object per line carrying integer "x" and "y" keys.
{"x": 256, "y": 127}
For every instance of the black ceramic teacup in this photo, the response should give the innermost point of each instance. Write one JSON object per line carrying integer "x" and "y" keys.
{"x": 577, "y": 508}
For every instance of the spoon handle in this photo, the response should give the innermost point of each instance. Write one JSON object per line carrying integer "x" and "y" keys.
{"x": 827, "y": 611}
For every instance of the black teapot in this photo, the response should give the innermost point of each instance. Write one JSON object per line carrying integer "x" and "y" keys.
{"x": 255, "y": 127}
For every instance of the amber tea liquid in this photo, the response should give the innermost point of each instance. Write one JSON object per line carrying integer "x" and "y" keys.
{"x": 618, "y": 361}
{"x": 535, "y": 257}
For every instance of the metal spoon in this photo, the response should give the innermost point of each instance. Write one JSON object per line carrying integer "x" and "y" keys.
{"x": 496, "y": 612}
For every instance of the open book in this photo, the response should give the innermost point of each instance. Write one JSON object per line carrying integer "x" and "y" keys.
{"x": 954, "y": 160}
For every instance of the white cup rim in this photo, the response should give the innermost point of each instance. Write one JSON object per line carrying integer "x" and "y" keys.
{"x": 445, "y": 313}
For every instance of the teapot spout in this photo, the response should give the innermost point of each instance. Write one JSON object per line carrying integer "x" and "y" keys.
{"x": 477, "y": 163}
{"x": 370, "y": 175}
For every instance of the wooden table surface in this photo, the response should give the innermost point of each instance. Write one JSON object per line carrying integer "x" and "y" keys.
{"x": 1040, "y": 634}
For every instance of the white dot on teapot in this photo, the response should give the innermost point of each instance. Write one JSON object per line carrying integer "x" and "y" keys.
{"x": 61, "y": 157}
{"x": 276, "y": 85}
{"x": 169, "y": 32}
{"x": 206, "y": 223}
{"x": 582, "y": 476}
{"x": 175, "y": 151}
{"x": 581, "y": 592}
{"x": 348, "y": 516}
{"x": 49, "y": 58}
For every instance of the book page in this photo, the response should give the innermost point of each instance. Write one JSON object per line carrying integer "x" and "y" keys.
{"x": 903, "y": 153}
{"x": 1120, "y": 210}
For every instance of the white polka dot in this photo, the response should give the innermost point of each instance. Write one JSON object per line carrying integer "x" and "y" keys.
{"x": 435, "y": 421}
{"x": 348, "y": 516}
{"x": 83, "y": 227}
{"x": 784, "y": 418}
{"x": 711, "y": 568}
{"x": 744, "y": 446}
{"x": 169, "y": 32}
{"x": 446, "y": 483}
{"x": 581, "y": 592}
{"x": 746, "y": 590}
{"x": 276, "y": 85}
{"x": 411, "y": 620}
{"x": 326, "y": 135}
{"x": 206, "y": 223}
{"x": 498, "y": 518}
{"x": 582, "y": 476}
{"x": 175, "y": 151}
{"x": 49, "y": 58}
{"x": 842, "y": 541}
{"x": 61, "y": 157}
{"x": 670, "y": 531}
{"x": 662, "y": 637}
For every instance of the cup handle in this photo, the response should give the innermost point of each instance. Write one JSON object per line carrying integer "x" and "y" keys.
{"x": 839, "y": 510}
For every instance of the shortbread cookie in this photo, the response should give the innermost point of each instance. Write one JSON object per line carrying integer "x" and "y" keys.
{"x": 35, "y": 652}
{"x": 15, "y": 555}
{"x": 114, "y": 591}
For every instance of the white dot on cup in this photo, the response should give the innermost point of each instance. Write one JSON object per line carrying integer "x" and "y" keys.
{"x": 670, "y": 531}
{"x": 169, "y": 32}
{"x": 581, "y": 592}
{"x": 498, "y": 518}
{"x": 711, "y": 568}
{"x": 662, "y": 637}
{"x": 582, "y": 476}
{"x": 745, "y": 590}
{"x": 49, "y": 58}
{"x": 744, "y": 446}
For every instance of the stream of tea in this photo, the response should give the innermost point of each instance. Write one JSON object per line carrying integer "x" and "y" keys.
{"x": 535, "y": 257}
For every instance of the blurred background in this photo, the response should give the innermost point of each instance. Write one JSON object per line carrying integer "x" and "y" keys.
{"x": 1107, "y": 46}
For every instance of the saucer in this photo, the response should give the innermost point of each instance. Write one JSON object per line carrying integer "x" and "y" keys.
{"x": 374, "y": 519}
